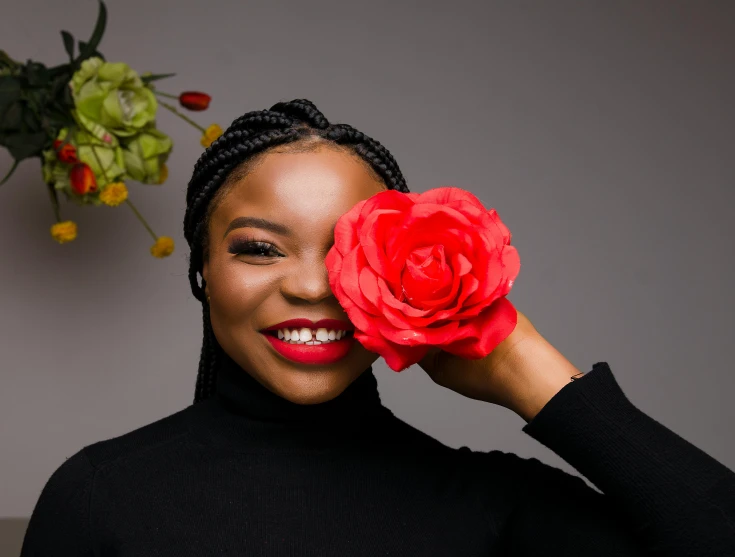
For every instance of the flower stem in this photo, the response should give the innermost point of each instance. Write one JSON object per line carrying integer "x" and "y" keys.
{"x": 54, "y": 202}
{"x": 169, "y": 95}
{"x": 99, "y": 162}
{"x": 141, "y": 219}
{"x": 130, "y": 203}
{"x": 186, "y": 118}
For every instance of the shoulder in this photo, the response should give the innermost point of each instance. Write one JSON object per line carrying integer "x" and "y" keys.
{"x": 161, "y": 433}
{"x": 73, "y": 480}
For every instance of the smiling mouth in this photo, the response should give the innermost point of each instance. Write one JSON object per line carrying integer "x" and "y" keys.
{"x": 309, "y": 337}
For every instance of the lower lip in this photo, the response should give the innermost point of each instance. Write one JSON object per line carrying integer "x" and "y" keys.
{"x": 314, "y": 354}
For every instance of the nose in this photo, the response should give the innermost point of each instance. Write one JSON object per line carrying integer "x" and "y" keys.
{"x": 307, "y": 282}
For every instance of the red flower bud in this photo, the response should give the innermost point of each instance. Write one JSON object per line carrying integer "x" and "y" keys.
{"x": 66, "y": 153}
{"x": 82, "y": 179}
{"x": 193, "y": 100}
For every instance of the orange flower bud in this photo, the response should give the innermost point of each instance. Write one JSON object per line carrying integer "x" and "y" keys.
{"x": 194, "y": 100}
{"x": 66, "y": 153}
{"x": 82, "y": 179}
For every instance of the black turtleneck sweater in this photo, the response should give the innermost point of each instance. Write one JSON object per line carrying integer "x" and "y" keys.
{"x": 247, "y": 473}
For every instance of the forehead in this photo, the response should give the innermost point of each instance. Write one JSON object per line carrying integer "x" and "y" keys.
{"x": 311, "y": 188}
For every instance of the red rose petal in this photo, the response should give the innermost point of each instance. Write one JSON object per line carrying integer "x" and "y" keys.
{"x": 449, "y": 194}
{"x": 396, "y": 356}
{"x": 434, "y": 212}
{"x": 426, "y": 275}
{"x": 348, "y": 280}
{"x": 373, "y": 235}
{"x": 491, "y": 328}
{"x": 437, "y": 334}
{"x": 388, "y": 299}
{"x": 345, "y": 233}
{"x": 388, "y": 199}
{"x": 507, "y": 236}
{"x": 368, "y": 282}
{"x": 397, "y": 320}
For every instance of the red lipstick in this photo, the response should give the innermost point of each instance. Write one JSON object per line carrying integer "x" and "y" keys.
{"x": 313, "y": 354}
{"x": 336, "y": 324}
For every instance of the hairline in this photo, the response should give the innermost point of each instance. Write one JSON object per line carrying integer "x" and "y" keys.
{"x": 308, "y": 144}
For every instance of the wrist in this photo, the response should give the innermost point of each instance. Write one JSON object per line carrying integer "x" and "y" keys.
{"x": 534, "y": 371}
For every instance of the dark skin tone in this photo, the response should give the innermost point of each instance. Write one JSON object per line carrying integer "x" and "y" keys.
{"x": 306, "y": 193}
{"x": 254, "y": 288}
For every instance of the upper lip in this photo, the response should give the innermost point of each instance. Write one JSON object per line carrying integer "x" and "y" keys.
{"x": 333, "y": 324}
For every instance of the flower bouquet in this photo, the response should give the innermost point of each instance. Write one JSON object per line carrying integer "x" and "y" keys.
{"x": 92, "y": 124}
{"x": 414, "y": 271}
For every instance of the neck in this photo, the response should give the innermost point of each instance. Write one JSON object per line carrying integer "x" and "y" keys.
{"x": 246, "y": 414}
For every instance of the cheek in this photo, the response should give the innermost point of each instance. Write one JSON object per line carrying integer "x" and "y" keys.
{"x": 238, "y": 288}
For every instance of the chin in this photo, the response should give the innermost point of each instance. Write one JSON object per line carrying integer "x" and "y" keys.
{"x": 311, "y": 387}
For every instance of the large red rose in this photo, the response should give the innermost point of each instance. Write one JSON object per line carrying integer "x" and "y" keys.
{"x": 419, "y": 270}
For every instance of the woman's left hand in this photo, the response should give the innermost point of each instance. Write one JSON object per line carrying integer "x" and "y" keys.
{"x": 522, "y": 373}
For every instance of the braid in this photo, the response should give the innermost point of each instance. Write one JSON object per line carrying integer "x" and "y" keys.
{"x": 249, "y": 135}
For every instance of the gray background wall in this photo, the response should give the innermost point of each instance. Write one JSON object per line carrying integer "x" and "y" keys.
{"x": 603, "y": 133}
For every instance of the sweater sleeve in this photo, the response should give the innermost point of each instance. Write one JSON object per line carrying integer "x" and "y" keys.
{"x": 661, "y": 495}
{"x": 60, "y": 522}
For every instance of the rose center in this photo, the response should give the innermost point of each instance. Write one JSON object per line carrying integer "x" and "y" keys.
{"x": 426, "y": 275}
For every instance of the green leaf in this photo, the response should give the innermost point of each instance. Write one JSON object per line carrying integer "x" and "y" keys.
{"x": 12, "y": 118}
{"x": 60, "y": 85}
{"x": 154, "y": 77}
{"x": 97, "y": 53}
{"x": 10, "y": 173}
{"x": 68, "y": 44}
{"x": 61, "y": 69}
{"x": 25, "y": 145}
{"x": 37, "y": 74}
{"x": 91, "y": 46}
{"x": 9, "y": 91}
{"x": 31, "y": 121}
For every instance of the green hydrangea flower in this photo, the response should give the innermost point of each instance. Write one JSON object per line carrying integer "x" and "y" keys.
{"x": 111, "y": 97}
{"x": 104, "y": 158}
{"x": 145, "y": 154}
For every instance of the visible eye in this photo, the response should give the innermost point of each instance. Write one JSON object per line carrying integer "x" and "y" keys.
{"x": 251, "y": 246}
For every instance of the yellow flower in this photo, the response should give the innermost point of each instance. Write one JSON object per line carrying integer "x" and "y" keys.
{"x": 114, "y": 194}
{"x": 163, "y": 174}
{"x": 163, "y": 247}
{"x": 212, "y": 133}
{"x": 64, "y": 231}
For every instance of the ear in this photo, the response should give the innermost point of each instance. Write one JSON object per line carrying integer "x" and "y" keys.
{"x": 205, "y": 273}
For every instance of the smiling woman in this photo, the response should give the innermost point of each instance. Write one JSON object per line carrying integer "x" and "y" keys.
{"x": 287, "y": 448}
{"x": 268, "y": 231}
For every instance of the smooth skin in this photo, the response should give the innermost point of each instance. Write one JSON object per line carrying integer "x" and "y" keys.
{"x": 256, "y": 287}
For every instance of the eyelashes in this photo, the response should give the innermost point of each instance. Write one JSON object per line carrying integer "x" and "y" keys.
{"x": 250, "y": 246}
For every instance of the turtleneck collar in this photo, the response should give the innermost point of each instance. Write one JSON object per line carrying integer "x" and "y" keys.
{"x": 243, "y": 394}
{"x": 243, "y": 414}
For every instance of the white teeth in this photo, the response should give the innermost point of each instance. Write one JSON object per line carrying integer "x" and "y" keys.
{"x": 310, "y": 336}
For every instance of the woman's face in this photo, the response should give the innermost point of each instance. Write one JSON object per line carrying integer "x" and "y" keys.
{"x": 299, "y": 196}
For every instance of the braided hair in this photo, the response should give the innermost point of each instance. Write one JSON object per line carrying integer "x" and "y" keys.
{"x": 297, "y": 122}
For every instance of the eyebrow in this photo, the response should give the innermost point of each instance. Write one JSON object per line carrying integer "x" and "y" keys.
{"x": 255, "y": 222}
